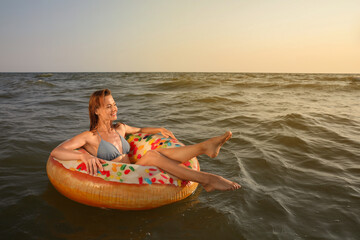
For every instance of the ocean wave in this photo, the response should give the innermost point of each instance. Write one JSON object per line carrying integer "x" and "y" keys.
{"x": 6, "y": 94}
{"x": 318, "y": 86}
{"x": 333, "y": 77}
{"x": 40, "y": 83}
{"x": 178, "y": 85}
{"x": 245, "y": 85}
{"x": 218, "y": 100}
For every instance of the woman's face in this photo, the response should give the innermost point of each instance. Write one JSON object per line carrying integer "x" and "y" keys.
{"x": 109, "y": 110}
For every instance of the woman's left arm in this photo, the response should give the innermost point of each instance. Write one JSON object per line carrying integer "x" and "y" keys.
{"x": 151, "y": 130}
{"x": 166, "y": 133}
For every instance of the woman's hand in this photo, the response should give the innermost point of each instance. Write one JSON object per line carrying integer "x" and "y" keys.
{"x": 92, "y": 163}
{"x": 167, "y": 133}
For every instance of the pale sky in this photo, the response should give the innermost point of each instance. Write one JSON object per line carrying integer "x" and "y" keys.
{"x": 302, "y": 36}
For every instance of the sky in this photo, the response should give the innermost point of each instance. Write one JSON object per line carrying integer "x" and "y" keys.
{"x": 282, "y": 36}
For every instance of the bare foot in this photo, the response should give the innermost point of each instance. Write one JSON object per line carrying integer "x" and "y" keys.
{"x": 214, "y": 144}
{"x": 219, "y": 183}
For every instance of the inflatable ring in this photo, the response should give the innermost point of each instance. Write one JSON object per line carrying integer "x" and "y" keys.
{"x": 123, "y": 186}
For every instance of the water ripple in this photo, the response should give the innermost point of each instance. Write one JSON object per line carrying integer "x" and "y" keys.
{"x": 295, "y": 150}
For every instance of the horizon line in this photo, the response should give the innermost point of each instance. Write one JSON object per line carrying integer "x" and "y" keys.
{"x": 50, "y": 72}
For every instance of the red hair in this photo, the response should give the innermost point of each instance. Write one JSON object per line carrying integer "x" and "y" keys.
{"x": 96, "y": 100}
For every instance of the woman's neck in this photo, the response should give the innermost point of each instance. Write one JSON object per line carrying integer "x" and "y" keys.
{"x": 105, "y": 127}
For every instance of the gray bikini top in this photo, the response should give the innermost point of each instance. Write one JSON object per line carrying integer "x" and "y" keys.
{"x": 108, "y": 151}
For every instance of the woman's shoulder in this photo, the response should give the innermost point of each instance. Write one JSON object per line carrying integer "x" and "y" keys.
{"x": 81, "y": 139}
{"x": 87, "y": 134}
{"x": 90, "y": 137}
{"x": 120, "y": 127}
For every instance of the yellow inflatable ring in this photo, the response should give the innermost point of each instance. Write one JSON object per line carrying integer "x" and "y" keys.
{"x": 123, "y": 186}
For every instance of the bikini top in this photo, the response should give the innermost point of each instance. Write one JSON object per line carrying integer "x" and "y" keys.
{"x": 108, "y": 151}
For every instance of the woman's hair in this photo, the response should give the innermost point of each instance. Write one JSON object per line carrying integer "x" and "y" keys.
{"x": 96, "y": 100}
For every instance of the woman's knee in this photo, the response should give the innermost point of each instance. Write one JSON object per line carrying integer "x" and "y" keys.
{"x": 151, "y": 156}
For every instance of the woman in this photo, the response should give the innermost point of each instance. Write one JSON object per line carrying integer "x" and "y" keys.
{"x": 105, "y": 141}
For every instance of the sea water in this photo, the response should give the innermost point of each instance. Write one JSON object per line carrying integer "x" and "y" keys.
{"x": 295, "y": 150}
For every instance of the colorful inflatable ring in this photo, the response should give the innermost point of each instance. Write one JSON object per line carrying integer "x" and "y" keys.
{"x": 123, "y": 186}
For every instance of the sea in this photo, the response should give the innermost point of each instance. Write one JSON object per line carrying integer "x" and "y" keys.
{"x": 295, "y": 150}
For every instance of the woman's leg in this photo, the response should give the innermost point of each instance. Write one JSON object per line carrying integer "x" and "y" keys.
{"x": 209, "y": 181}
{"x": 210, "y": 147}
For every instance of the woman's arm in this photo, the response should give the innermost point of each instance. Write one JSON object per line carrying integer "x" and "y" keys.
{"x": 151, "y": 130}
{"x": 66, "y": 151}
{"x": 166, "y": 133}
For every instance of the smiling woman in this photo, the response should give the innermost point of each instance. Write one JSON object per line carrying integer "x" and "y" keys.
{"x": 123, "y": 186}
{"x": 106, "y": 142}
